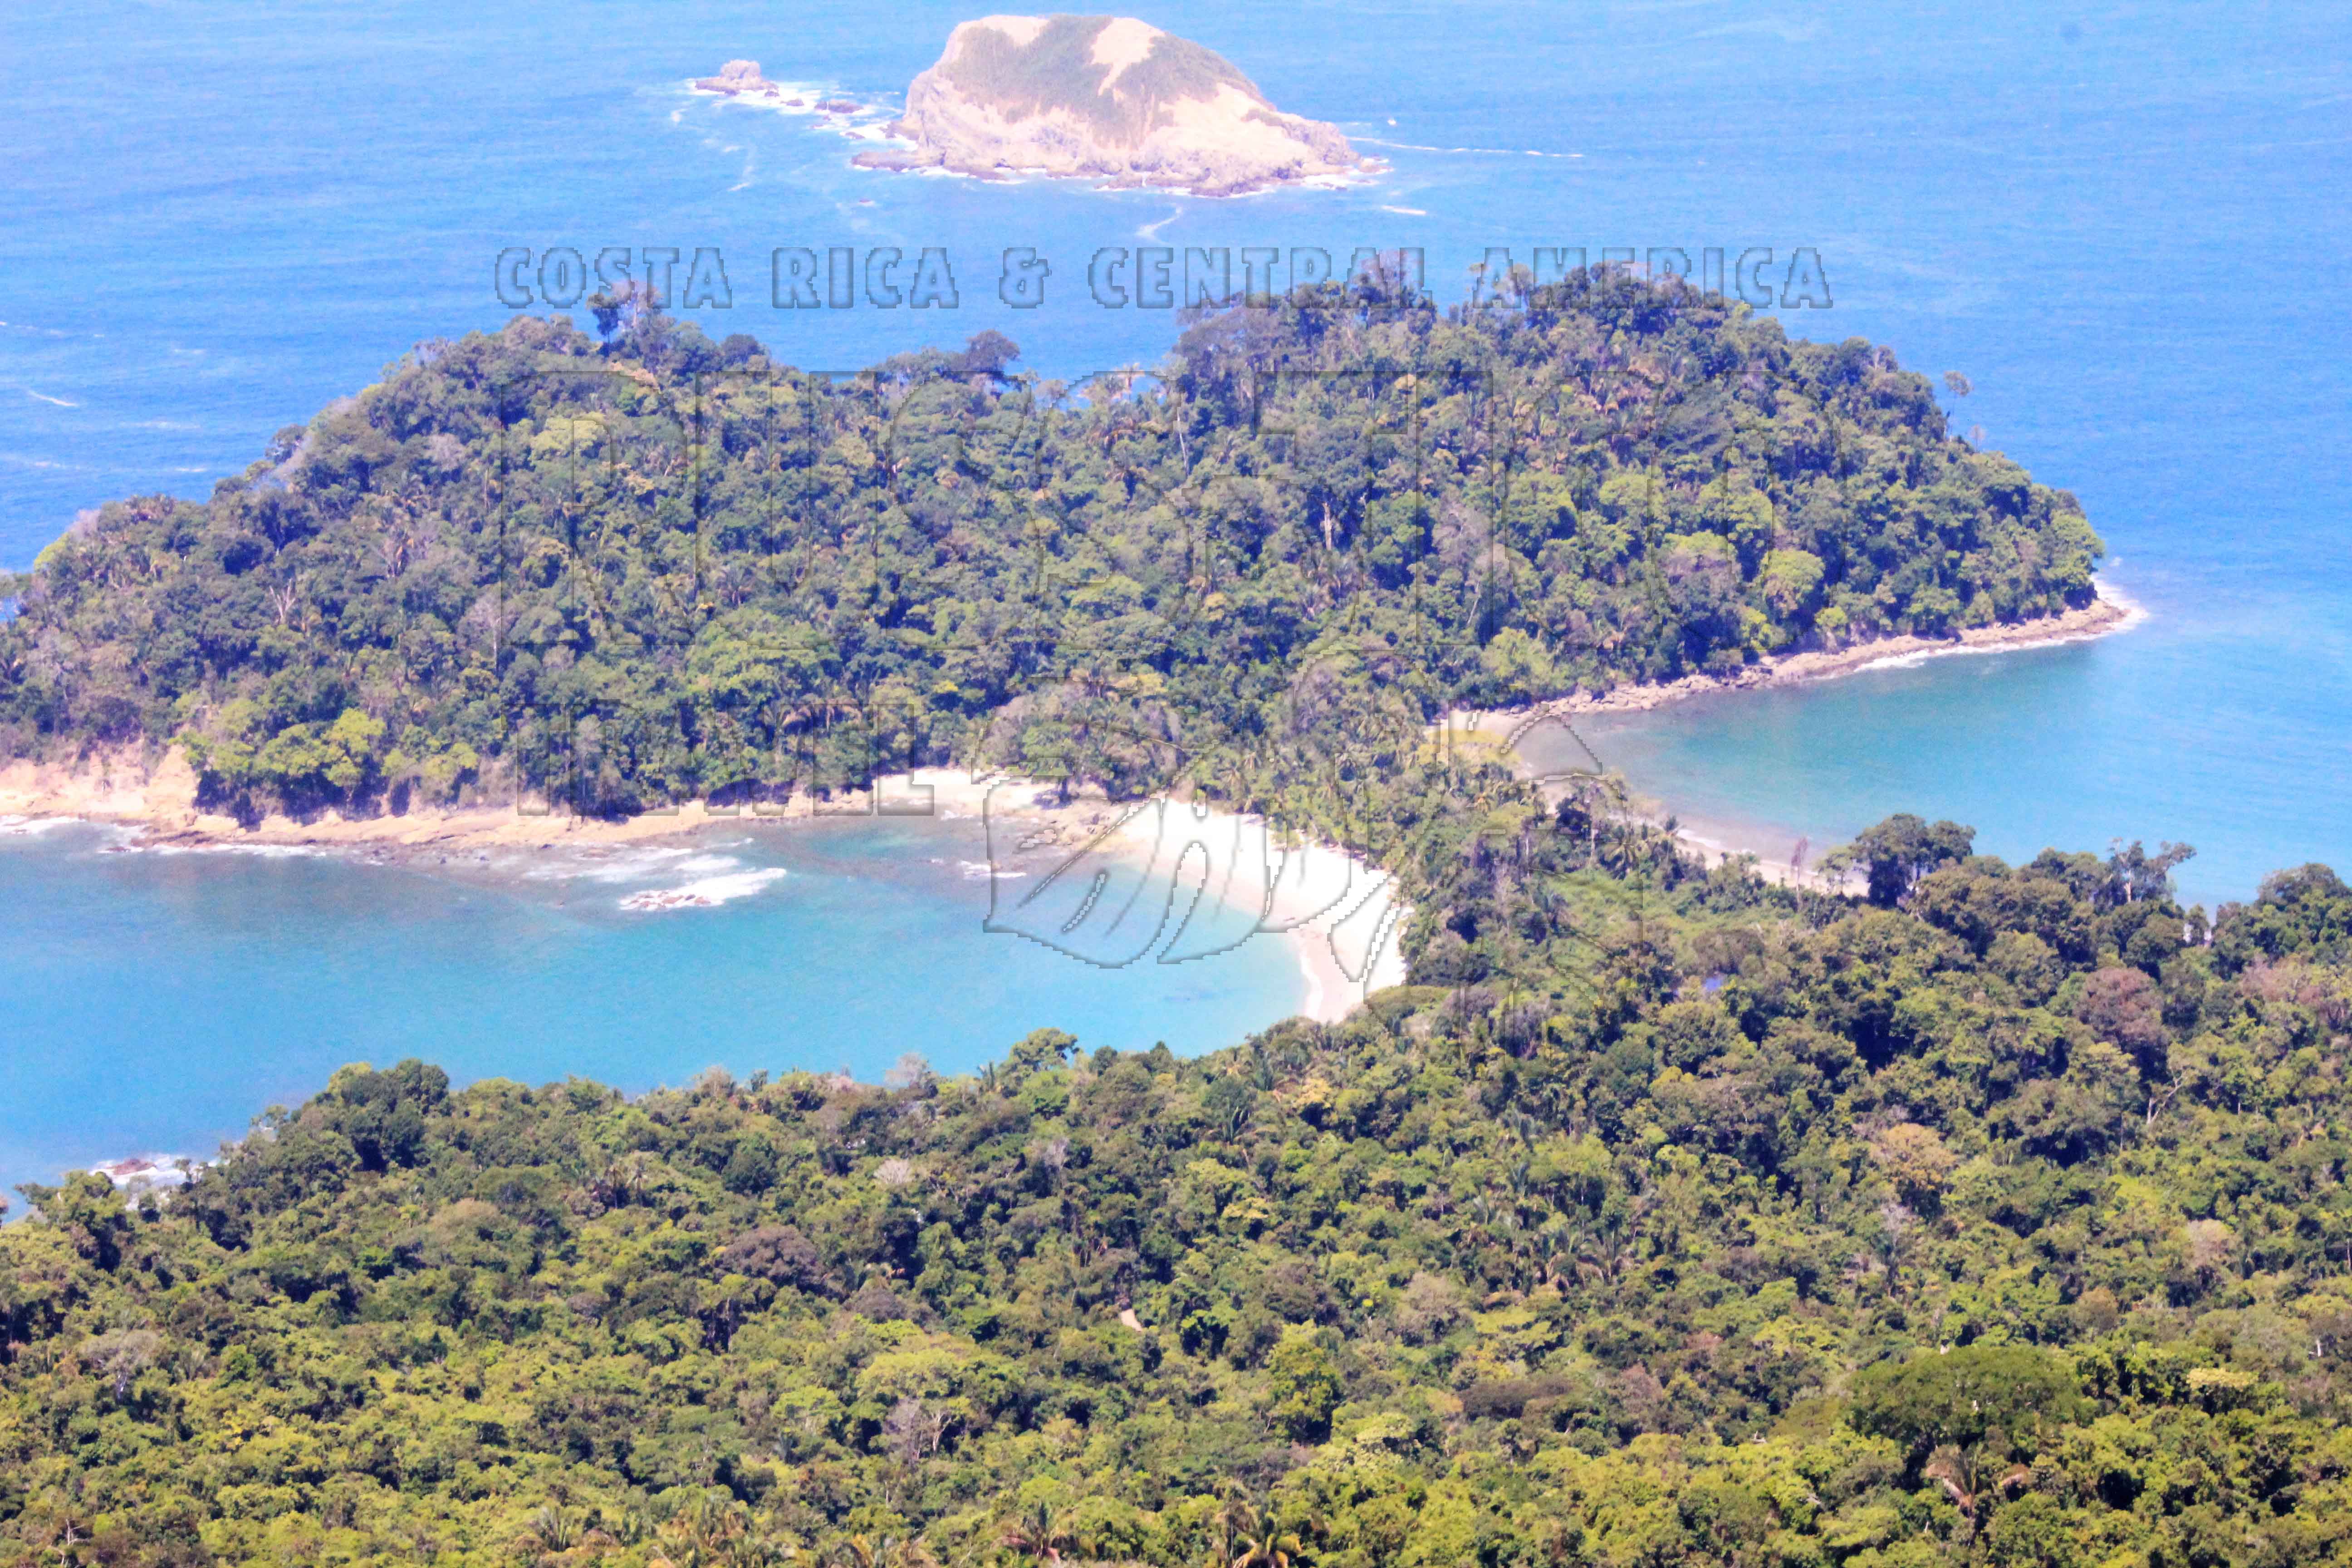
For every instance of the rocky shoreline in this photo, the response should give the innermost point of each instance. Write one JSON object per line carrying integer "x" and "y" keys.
{"x": 2104, "y": 616}
{"x": 2107, "y": 614}
{"x": 158, "y": 802}
{"x": 741, "y": 80}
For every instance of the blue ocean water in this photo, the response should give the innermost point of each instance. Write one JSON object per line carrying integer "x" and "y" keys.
{"x": 156, "y": 1001}
{"x": 2123, "y": 223}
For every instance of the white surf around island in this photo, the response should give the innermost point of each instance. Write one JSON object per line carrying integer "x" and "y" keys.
{"x": 1099, "y": 99}
{"x": 26, "y": 827}
{"x": 157, "y": 1174}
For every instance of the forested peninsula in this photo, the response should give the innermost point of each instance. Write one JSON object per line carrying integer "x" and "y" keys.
{"x": 1984, "y": 1213}
{"x": 638, "y": 566}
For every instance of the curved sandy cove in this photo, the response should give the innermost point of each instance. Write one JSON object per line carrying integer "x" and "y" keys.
{"x": 1307, "y": 902}
{"x": 1337, "y": 911}
{"x": 2109, "y": 612}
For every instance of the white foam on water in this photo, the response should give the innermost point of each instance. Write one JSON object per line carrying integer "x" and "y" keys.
{"x": 710, "y": 865}
{"x": 707, "y": 892}
{"x": 26, "y": 826}
{"x": 150, "y": 1173}
{"x": 620, "y": 865}
{"x": 257, "y": 852}
{"x": 795, "y": 98}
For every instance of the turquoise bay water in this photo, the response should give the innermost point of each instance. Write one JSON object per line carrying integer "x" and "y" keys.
{"x": 2124, "y": 224}
{"x": 2056, "y": 745}
{"x": 155, "y": 1002}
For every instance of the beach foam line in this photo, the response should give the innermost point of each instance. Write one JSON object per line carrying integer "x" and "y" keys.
{"x": 622, "y": 865}
{"x": 150, "y": 1173}
{"x": 2135, "y": 613}
{"x": 257, "y": 851}
{"x": 1481, "y": 152}
{"x": 29, "y": 827}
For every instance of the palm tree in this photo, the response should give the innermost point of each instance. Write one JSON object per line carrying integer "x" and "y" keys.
{"x": 1268, "y": 1550}
{"x": 1527, "y": 1197}
{"x": 1553, "y": 1250}
{"x": 1229, "y": 1535}
{"x": 708, "y": 1534}
{"x": 1957, "y": 1472}
{"x": 1038, "y": 1533}
{"x": 554, "y": 1536}
{"x": 1490, "y": 1220}
{"x": 884, "y": 1552}
{"x": 550, "y": 1533}
{"x": 1608, "y": 1251}
{"x": 1595, "y": 796}
{"x": 622, "y": 1179}
{"x": 1241, "y": 1537}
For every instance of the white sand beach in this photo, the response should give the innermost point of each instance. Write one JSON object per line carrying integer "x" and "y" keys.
{"x": 1336, "y": 912}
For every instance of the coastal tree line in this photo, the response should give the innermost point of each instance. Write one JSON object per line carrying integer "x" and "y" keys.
{"x": 1991, "y": 1213}
{"x": 1995, "y": 1218}
{"x": 637, "y": 566}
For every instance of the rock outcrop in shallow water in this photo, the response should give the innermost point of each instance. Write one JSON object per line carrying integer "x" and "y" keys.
{"x": 1105, "y": 98}
{"x": 737, "y": 78}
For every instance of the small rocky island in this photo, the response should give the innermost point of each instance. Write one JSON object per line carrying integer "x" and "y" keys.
{"x": 737, "y": 78}
{"x": 1105, "y": 98}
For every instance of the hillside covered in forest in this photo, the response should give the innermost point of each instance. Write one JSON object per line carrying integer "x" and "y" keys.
{"x": 642, "y": 566}
{"x": 1669, "y": 1218}
{"x": 1666, "y": 1217}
